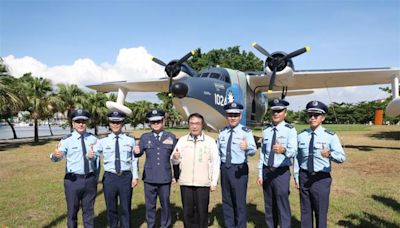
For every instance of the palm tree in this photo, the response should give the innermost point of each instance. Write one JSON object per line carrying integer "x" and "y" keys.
{"x": 37, "y": 90}
{"x": 10, "y": 103}
{"x": 139, "y": 111}
{"x": 95, "y": 103}
{"x": 69, "y": 96}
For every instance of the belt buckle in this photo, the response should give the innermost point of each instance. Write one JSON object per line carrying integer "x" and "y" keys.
{"x": 313, "y": 173}
{"x": 119, "y": 174}
{"x": 271, "y": 169}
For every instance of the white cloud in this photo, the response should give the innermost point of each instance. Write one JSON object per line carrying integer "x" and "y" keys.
{"x": 131, "y": 64}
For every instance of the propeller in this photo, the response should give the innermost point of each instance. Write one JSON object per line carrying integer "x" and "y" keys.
{"x": 173, "y": 68}
{"x": 277, "y": 61}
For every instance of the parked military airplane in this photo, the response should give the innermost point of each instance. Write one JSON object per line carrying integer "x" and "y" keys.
{"x": 207, "y": 91}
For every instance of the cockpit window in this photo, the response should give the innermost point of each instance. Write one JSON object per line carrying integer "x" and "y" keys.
{"x": 215, "y": 75}
{"x": 204, "y": 75}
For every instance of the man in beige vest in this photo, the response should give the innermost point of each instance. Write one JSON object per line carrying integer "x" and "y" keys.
{"x": 199, "y": 162}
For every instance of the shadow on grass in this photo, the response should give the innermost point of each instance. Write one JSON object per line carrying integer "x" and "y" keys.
{"x": 370, "y": 220}
{"x": 62, "y": 217}
{"x": 389, "y": 202}
{"x": 371, "y": 148}
{"x": 392, "y": 135}
{"x": 365, "y": 220}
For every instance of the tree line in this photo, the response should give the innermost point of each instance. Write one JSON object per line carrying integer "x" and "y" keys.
{"x": 42, "y": 100}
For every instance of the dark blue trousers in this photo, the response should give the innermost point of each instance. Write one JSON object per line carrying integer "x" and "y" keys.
{"x": 314, "y": 198}
{"x": 234, "y": 191}
{"x": 80, "y": 190}
{"x": 276, "y": 197}
{"x": 151, "y": 191}
{"x": 118, "y": 188}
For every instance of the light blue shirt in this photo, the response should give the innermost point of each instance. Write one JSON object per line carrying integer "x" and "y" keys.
{"x": 240, "y": 132}
{"x": 126, "y": 143}
{"x": 71, "y": 147}
{"x": 287, "y": 136}
{"x": 322, "y": 137}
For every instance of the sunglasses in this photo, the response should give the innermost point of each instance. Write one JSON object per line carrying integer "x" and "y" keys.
{"x": 233, "y": 115}
{"x": 116, "y": 122}
{"x": 315, "y": 115}
{"x": 156, "y": 122}
{"x": 278, "y": 111}
{"x": 80, "y": 121}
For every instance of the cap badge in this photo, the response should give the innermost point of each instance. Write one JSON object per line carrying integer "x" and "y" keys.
{"x": 115, "y": 113}
{"x": 315, "y": 103}
{"x": 154, "y": 112}
{"x": 233, "y": 105}
{"x": 79, "y": 111}
{"x": 276, "y": 101}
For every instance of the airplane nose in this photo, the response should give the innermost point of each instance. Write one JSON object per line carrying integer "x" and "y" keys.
{"x": 179, "y": 89}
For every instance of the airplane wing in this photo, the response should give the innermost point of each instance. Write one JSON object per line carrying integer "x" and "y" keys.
{"x": 315, "y": 79}
{"x": 151, "y": 85}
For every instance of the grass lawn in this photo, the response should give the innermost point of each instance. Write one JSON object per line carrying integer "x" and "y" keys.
{"x": 365, "y": 190}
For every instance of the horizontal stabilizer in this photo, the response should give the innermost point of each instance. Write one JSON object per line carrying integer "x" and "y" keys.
{"x": 278, "y": 94}
{"x": 151, "y": 85}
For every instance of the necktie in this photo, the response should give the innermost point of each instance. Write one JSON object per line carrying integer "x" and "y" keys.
{"x": 228, "y": 160}
{"x": 117, "y": 157}
{"x": 85, "y": 160}
{"x": 310, "y": 161}
{"x": 158, "y": 137}
{"x": 272, "y": 153}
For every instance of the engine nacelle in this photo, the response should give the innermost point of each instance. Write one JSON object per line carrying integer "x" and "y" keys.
{"x": 393, "y": 108}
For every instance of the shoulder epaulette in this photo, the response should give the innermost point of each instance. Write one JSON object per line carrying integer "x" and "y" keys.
{"x": 223, "y": 129}
{"x": 66, "y": 136}
{"x": 246, "y": 129}
{"x": 131, "y": 136}
{"x": 267, "y": 126}
{"x": 289, "y": 126}
{"x": 330, "y": 132}
{"x": 304, "y": 130}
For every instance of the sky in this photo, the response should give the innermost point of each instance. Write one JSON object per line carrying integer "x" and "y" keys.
{"x": 89, "y": 42}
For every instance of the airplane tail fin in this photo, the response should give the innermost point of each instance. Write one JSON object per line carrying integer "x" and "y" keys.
{"x": 119, "y": 105}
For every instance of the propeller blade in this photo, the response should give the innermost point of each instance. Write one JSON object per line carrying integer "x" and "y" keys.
{"x": 272, "y": 81}
{"x": 170, "y": 87}
{"x": 260, "y": 49}
{"x": 186, "y": 57}
{"x": 297, "y": 52}
{"x": 154, "y": 59}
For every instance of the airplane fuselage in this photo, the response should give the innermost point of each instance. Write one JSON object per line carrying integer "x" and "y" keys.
{"x": 210, "y": 89}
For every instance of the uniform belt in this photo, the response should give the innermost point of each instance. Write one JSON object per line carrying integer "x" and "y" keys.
{"x": 122, "y": 173}
{"x": 233, "y": 164}
{"x": 84, "y": 175}
{"x": 315, "y": 173}
{"x": 272, "y": 169}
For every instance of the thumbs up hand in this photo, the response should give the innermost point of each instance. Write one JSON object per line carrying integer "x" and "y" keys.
{"x": 57, "y": 153}
{"x": 324, "y": 152}
{"x": 278, "y": 147}
{"x": 136, "y": 149}
{"x": 243, "y": 144}
{"x": 90, "y": 153}
{"x": 177, "y": 154}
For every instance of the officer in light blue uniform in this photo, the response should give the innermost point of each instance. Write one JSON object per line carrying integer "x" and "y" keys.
{"x": 157, "y": 174}
{"x": 80, "y": 181}
{"x": 120, "y": 170}
{"x": 235, "y": 143}
{"x": 279, "y": 145}
{"x": 318, "y": 147}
